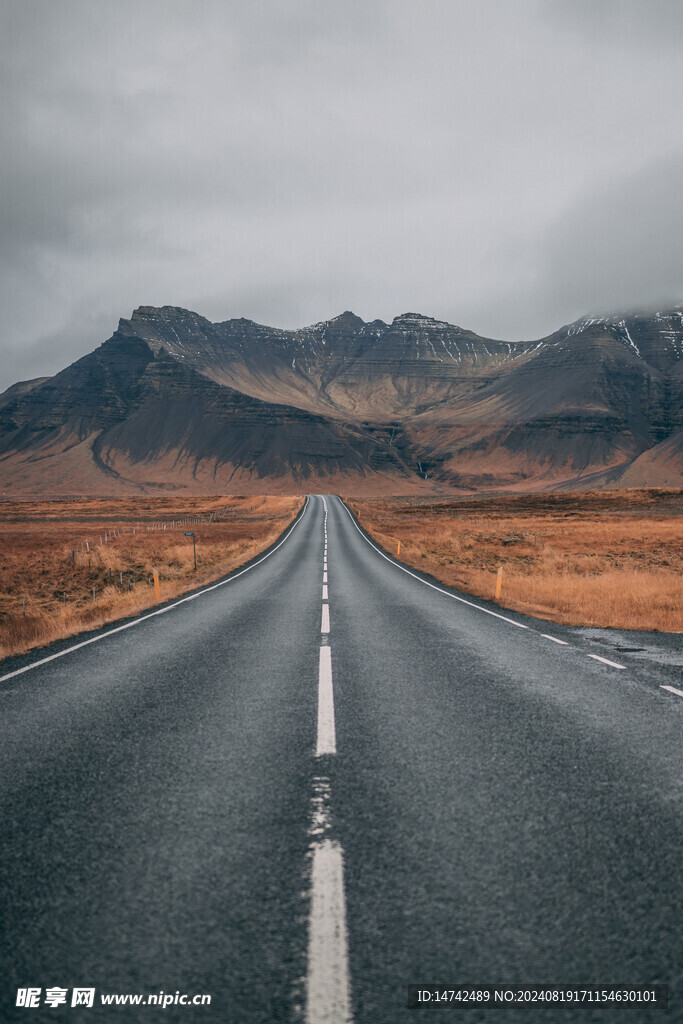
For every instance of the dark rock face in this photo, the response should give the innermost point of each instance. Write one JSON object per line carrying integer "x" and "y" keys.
{"x": 412, "y": 401}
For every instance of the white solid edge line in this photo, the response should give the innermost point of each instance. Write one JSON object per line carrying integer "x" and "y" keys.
{"x": 325, "y": 622}
{"x": 159, "y": 611}
{"x": 446, "y": 593}
{"x": 555, "y": 640}
{"x": 606, "y": 661}
{"x": 328, "y": 990}
{"x": 327, "y": 740}
{"x": 672, "y": 689}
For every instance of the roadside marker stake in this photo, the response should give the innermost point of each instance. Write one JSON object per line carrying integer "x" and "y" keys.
{"x": 194, "y": 548}
{"x": 499, "y": 582}
{"x": 157, "y": 588}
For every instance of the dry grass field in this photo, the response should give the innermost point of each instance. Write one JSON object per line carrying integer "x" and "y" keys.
{"x": 608, "y": 558}
{"x": 71, "y": 565}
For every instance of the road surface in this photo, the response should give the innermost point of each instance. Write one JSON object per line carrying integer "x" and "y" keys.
{"x": 328, "y": 778}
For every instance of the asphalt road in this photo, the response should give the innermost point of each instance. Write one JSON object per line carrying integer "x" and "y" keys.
{"x": 302, "y": 801}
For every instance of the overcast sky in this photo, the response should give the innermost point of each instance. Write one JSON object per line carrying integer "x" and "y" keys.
{"x": 504, "y": 166}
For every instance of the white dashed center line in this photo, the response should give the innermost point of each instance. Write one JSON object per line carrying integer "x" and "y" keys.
{"x": 555, "y": 640}
{"x": 606, "y": 661}
{"x": 328, "y": 990}
{"x": 327, "y": 742}
{"x": 672, "y": 689}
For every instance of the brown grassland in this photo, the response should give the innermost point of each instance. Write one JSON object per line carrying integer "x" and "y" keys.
{"x": 69, "y": 565}
{"x": 604, "y": 558}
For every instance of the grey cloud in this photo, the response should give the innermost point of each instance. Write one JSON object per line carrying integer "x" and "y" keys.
{"x": 632, "y": 21}
{"x": 288, "y": 161}
{"x": 615, "y": 249}
{"x": 50, "y": 353}
{"x": 622, "y": 247}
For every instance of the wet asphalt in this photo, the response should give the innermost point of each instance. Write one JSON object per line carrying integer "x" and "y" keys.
{"x": 510, "y": 809}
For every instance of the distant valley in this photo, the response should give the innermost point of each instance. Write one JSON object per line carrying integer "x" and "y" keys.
{"x": 172, "y": 402}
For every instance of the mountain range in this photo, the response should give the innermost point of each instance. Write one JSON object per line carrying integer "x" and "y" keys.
{"x": 174, "y": 402}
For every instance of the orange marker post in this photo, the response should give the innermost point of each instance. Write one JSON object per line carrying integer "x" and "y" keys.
{"x": 157, "y": 588}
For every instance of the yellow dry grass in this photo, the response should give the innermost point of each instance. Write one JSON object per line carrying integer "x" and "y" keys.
{"x": 68, "y": 566}
{"x": 593, "y": 561}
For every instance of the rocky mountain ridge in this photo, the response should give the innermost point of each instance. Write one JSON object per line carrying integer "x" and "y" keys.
{"x": 173, "y": 400}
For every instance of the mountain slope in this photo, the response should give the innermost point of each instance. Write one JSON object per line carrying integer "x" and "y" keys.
{"x": 586, "y": 402}
{"x": 172, "y": 400}
{"x": 126, "y": 418}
